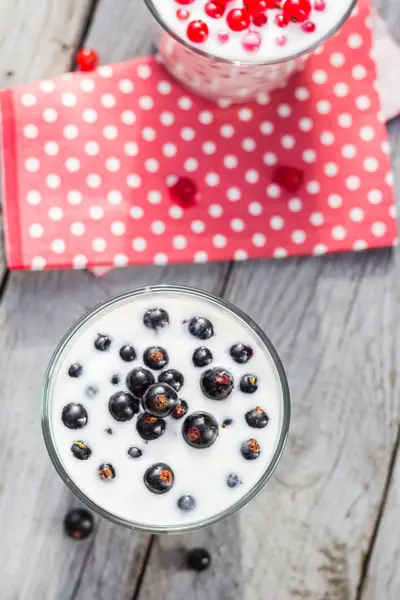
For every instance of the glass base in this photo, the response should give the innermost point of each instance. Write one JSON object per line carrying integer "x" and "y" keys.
{"x": 218, "y": 80}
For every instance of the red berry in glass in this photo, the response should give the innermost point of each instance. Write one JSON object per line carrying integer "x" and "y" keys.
{"x": 297, "y": 10}
{"x": 308, "y": 26}
{"x": 215, "y": 9}
{"x": 197, "y": 31}
{"x": 290, "y": 178}
{"x": 184, "y": 192}
{"x": 184, "y": 1}
{"x": 182, "y": 14}
{"x": 282, "y": 20}
{"x": 260, "y": 19}
{"x": 319, "y": 5}
{"x": 256, "y": 6}
{"x": 238, "y": 19}
{"x": 87, "y": 59}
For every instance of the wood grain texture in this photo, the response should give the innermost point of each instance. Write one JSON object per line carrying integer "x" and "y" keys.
{"x": 39, "y": 561}
{"x": 38, "y": 39}
{"x": 121, "y": 29}
{"x": 333, "y": 320}
{"x": 382, "y": 576}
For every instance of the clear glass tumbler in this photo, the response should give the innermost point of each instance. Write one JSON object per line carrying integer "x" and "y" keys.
{"x": 72, "y": 470}
{"x": 220, "y": 78}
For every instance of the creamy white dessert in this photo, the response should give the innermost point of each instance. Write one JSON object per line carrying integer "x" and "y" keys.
{"x": 255, "y": 31}
{"x": 165, "y": 408}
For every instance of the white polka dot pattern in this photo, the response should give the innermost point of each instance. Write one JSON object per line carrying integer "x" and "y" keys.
{"x": 98, "y": 151}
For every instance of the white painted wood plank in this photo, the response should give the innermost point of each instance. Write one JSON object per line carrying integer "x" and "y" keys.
{"x": 39, "y": 561}
{"x": 383, "y": 577}
{"x": 333, "y": 320}
{"x": 121, "y": 30}
{"x": 38, "y": 39}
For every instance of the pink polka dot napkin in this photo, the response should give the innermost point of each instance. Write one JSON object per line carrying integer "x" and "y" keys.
{"x": 89, "y": 160}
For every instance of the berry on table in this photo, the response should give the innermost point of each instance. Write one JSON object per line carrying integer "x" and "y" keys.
{"x": 156, "y": 318}
{"x": 184, "y": 192}
{"x": 289, "y": 178}
{"x": 74, "y": 416}
{"x": 80, "y": 450}
{"x": 241, "y": 353}
{"x": 75, "y": 370}
{"x": 233, "y": 480}
{"x": 201, "y": 328}
{"x": 186, "y": 503}
{"x": 173, "y": 378}
{"x": 106, "y": 471}
{"x": 248, "y": 384}
{"x": 150, "y": 427}
{"x": 123, "y": 406}
{"x": 138, "y": 381}
{"x": 87, "y": 59}
{"x": 216, "y": 383}
{"x": 135, "y": 452}
{"x": 200, "y": 430}
{"x": 159, "y": 478}
{"x": 78, "y": 523}
{"x": 257, "y": 418}
{"x": 198, "y": 559}
{"x": 127, "y": 353}
{"x": 155, "y": 358}
{"x": 102, "y": 342}
{"x": 250, "y": 449}
{"x": 202, "y": 357}
{"x": 180, "y": 409}
{"x": 160, "y": 400}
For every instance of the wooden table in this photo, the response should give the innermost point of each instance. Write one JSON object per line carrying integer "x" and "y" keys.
{"x": 326, "y": 527}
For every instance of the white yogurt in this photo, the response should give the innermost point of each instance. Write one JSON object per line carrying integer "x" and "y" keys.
{"x": 270, "y": 50}
{"x": 202, "y": 473}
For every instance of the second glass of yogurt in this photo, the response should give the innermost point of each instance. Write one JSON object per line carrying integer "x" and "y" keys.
{"x": 234, "y": 49}
{"x": 165, "y": 409}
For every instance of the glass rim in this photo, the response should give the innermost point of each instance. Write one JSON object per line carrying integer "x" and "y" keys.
{"x": 261, "y": 63}
{"x": 52, "y": 448}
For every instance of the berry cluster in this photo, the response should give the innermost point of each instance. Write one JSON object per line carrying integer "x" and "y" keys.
{"x": 249, "y": 18}
{"x": 150, "y": 402}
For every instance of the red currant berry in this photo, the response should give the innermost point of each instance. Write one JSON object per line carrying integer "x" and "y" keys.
{"x": 308, "y": 26}
{"x": 282, "y": 20}
{"x": 197, "y": 32}
{"x": 260, "y": 19}
{"x": 320, "y": 5}
{"x": 223, "y": 37}
{"x": 298, "y": 10}
{"x": 290, "y": 178}
{"x": 184, "y": 192}
{"x": 87, "y": 59}
{"x": 238, "y": 19}
{"x": 182, "y": 14}
{"x": 215, "y": 9}
{"x": 256, "y": 6}
{"x": 251, "y": 41}
{"x": 184, "y": 1}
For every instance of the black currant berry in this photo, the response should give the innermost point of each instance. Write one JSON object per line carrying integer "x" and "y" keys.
{"x": 200, "y": 430}
{"x": 216, "y": 383}
{"x": 159, "y": 478}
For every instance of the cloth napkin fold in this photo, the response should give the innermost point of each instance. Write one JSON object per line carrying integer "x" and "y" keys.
{"x": 90, "y": 159}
